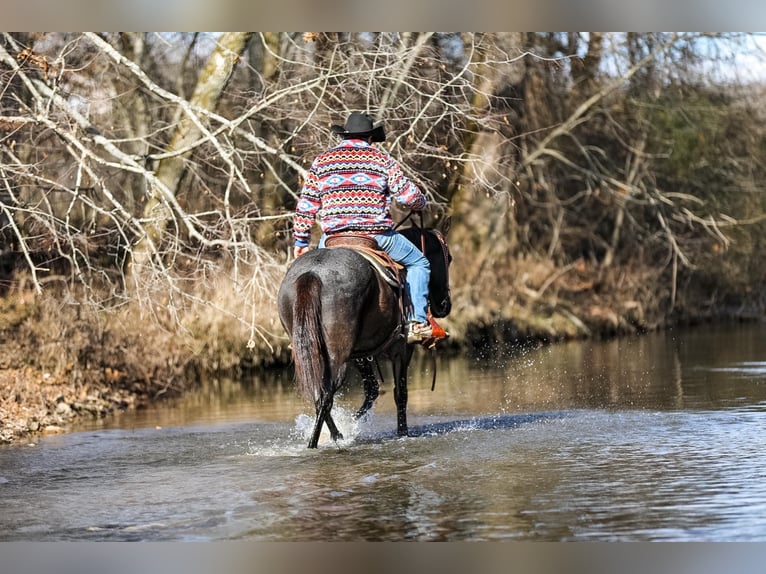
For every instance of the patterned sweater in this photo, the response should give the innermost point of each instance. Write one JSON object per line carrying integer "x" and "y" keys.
{"x": 349, "y": 189}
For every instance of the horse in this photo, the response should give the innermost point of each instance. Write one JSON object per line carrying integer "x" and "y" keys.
{"x": 338, "y": 310}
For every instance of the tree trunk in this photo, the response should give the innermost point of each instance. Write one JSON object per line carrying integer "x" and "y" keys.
{"x": 212, "y": 81}
{"x": 586, "y": 71}
{"x": 481, "y": 193}
{"x": 267, "y": 193}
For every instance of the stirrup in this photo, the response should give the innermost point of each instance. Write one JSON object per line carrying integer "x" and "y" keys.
{"x": 427, "y": 334}
{"x": 418, "y": 332}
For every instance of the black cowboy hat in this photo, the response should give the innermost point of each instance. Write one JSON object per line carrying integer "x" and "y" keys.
{"x": 360, "y": 125}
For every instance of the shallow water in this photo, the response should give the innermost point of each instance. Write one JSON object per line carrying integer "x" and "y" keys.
{"x": 658, "y": 437}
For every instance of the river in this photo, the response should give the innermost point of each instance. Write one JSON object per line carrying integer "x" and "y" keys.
{"x": 654, "y": 438}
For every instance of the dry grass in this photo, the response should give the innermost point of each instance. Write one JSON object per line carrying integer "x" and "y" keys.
{"x": 62, "y": 356}
{"x": 531, "y": 299}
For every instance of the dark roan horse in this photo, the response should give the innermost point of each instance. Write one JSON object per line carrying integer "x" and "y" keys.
{"x": 339, "y": 310}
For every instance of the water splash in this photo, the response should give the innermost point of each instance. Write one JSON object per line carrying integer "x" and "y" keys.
{"x": 294, "y": 442}
{"x": 348, "y": 426}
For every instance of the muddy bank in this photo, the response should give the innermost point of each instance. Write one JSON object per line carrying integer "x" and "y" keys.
{"x": 35, "y": 402}
{"x": 60, "y": 362}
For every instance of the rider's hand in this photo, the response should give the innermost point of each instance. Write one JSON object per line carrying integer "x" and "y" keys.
{"x": 299, "y": 250}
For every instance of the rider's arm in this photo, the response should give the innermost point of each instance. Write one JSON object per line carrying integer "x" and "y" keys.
{"x": 406, "y": 193}
{"x": 306, "y": 210}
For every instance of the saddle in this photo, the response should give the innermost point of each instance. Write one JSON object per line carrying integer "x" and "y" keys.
{"x": 368, "y": 248}
{"x": 390, "y": 271}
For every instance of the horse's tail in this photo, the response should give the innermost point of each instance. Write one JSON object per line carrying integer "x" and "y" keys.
{"x": 309, "y": 349}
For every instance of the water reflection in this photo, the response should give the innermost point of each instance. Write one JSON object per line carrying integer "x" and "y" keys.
{"x": 267, "y": 396}
{"x": 669, "y": 370}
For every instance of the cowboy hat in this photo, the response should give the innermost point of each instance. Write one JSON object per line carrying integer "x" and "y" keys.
{"x": 360, "y": 125}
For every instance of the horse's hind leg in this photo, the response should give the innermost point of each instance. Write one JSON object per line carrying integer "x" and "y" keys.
{"x": 323, "y": 406}
{"x": 335, "y": 434}
{"x": 371, "y": 386}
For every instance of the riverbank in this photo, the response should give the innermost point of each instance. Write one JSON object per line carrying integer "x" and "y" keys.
{"x": 35, "y": 402}
{"x": 62, "y": 361}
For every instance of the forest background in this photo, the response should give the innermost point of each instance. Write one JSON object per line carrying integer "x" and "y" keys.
{"x": 598, "y": 184}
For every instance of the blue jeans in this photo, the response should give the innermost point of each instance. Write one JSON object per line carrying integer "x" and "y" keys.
{"x": 403, "y": 251}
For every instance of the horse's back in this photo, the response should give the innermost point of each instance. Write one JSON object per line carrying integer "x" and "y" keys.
{"x": 351, "y": 293}
{"x": 343, "y": 273}
{"x": 359, "y": 310}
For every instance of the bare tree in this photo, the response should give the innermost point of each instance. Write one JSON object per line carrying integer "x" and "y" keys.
{"x": 183, "y": 154}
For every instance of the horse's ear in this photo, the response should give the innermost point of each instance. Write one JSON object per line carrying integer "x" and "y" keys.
{"x": 446, "y": 223}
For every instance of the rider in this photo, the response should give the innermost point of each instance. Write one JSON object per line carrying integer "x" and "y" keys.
{"x": 349, "y": 189}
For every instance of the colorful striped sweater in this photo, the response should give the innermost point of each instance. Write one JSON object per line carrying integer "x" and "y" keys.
{"x": 349, "y": 189}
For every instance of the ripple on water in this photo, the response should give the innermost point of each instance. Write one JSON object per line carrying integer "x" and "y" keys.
{"x": 664, "y": 450}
